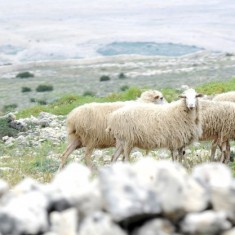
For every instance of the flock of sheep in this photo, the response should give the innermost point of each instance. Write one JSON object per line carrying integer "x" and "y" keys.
{"x": 150, "y": 122}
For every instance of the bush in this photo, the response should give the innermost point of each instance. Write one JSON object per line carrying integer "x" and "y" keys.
{"x": 42, "y": 102}
{"x": 124, "y": 88}
{"x": 89, "y": 93}
{"x": 132, "y": 93}
{"x": 104, "y": 78}
{"x": 25, "y": 75}
{"x": 44, "y": 88}
{"x": 33, "y": 100}
{"x": 121, "y": 76}
{"x": 25, "y": 89}
{"x": 5, "y": 130}
{"x": 9, "y": 107}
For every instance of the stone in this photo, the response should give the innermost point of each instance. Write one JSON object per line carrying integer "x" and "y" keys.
{"x": 170, "y": 181}
{"x": 213, "y": 175}
{"x": 100, "y": 223}
{"x": 124, "y": 195}
{"x": 207, "y": 222}
{"x": 229, "y": 232}
{"x": 24, "y": 214}
{"x": 156, "y": 227}
{"x": 73, "y": 187}
{"x": 217, "y": 179}
{"x": 223, "y": 199}
{"x": 65, "y": 222}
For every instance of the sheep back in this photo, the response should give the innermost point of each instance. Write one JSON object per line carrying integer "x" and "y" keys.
{"x": 227, "y": 96}
{"x": 88, "y": 123}
{"x": 150, "y": 126}
{"x": 218, "y": 120}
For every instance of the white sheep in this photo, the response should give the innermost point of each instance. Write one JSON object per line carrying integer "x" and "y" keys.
{"x": 171, "y": 126}
{"x": 152, "y": 96}
{"x": 86, "y": 125}
{"x": 227, "y": 96}
{"x": 218, "y": 124}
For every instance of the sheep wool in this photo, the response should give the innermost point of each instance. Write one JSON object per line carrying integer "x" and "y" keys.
{"x": 86, "y": 125}
{"x": 227, "y": 96}
{"x": 171, "y": 126}
{"x": 152, "y": 96}
{"x": 218, "y": 124}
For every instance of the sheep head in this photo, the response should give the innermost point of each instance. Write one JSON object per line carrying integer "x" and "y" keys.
{"x": 190, "y": 97}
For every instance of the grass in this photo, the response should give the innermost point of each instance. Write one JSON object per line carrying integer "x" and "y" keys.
{"x": 213, "y": 88}
{"x": 66, "y": 103}
{"x": 29, "y": 162}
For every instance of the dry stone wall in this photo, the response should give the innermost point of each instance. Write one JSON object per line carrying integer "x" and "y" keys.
{"x": 148, "y": 197}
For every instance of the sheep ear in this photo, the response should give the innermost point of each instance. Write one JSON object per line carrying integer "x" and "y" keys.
{"x": 199, "y": 95}
{"x": 156, "y": 97}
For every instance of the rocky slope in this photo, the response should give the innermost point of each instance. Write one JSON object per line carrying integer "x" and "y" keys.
{"x": 79, "y": 76}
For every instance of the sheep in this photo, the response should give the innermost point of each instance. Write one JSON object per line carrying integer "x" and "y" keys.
{"x": 171, "y": 126}
{"x": 227, "y": 96}
{"x": 218, "y": 124}
{"x": 147, "y": 97}
{"x": 86, "y": 125}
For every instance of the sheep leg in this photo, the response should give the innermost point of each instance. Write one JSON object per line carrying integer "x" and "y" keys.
{"x": 174, "y": 155}
{"x": 181, "y": 153}
{"x": 127, "y": 151}
{"x": 70, "y": 148}
{"x": 225, "y": 152}
{"x": 213, "y": 148}
{"x": 88, "y": 153}
{"x": 117, "y": 153}
{"x": 227, "y": 159}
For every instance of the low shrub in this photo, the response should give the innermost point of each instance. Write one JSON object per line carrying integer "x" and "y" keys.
{"x": 33, "y": 100}
{"x": 44, "y": 88}
{"x": 25, "y": 75}
{"x": 5, "y": 130}
{"x": 25, "y": 89}
{"x": 89, "y": 93}
{"x": 104, "y": 78}
{"x": 124, "y": 88}
{"x": 42, "y": 102}
{"x": 121, "y": 76}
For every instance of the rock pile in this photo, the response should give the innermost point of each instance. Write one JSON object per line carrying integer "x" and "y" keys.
{"x": 35, "y": 130}
{"x": 144, "y": 198}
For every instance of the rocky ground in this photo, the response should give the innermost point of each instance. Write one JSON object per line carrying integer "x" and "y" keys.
{"x": 35, "y": 131}
{"x": 144, "y": 197}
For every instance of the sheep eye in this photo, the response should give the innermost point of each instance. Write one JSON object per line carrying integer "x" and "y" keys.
{"x": 161, "y": 98}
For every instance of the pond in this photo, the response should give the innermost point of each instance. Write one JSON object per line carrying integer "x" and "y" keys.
{"x": 147, "y": 48}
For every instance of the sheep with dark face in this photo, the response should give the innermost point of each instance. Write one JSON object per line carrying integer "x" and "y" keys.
{"x": 86, "y": 125}
{"x": 171, "y": 126}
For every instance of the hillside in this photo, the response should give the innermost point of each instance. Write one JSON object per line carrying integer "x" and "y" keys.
{"x": 79, "y": 77}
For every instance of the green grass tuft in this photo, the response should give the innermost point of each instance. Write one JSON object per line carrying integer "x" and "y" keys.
{"x": 213, "y": 88}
